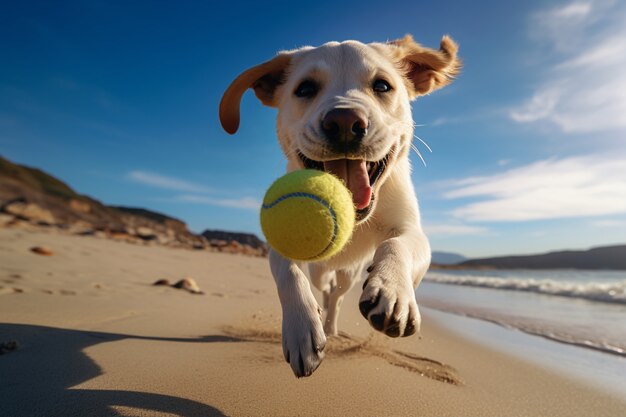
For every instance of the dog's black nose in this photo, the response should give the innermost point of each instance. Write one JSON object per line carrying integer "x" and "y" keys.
{"x": 344, "y": 125}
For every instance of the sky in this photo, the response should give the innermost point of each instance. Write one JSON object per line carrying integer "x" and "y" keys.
{"x": 119, "y": 99}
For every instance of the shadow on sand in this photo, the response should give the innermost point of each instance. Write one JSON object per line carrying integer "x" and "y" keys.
{"x": 36, "y": 379}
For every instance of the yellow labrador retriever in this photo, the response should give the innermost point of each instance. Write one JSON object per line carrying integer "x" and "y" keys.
{"x": 345, "y": 108}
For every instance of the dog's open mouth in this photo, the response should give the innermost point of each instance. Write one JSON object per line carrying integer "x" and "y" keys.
{"x": 359, "y": 175}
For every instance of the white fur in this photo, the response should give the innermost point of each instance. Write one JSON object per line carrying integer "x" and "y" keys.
{"x": 390, "y": 241}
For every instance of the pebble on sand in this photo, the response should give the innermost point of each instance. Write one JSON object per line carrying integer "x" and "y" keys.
{"x": 42, "y": 250}
{"x": 188, "y": 284}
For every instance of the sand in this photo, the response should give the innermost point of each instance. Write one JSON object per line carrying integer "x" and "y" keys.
{"x": 95, "y": 338}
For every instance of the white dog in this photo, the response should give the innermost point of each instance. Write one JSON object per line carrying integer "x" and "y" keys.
{"x": 345, "y": 108}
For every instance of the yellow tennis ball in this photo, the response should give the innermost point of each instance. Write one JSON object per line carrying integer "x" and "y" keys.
{"x": 307, "y": 215}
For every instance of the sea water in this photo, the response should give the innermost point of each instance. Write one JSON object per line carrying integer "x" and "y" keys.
{"x": 583, "y": 309}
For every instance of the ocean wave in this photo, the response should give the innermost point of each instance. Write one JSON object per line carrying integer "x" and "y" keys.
{"x": 571, "y": 335}
{"x": 608, "y": 292}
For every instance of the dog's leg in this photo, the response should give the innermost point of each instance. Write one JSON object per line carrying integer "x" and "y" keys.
{"x": 303, "y": 333}
{"x": 322, "y": 279}
{"x": 388, "y": 299}
{"x": 326, "y": 293}
{"x": 345, "y": 281}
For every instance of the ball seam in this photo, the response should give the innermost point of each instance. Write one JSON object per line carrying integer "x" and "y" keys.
{"x": 317, "y": 199}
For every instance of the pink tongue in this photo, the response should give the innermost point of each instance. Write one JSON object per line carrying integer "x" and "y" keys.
{"x": 354, "y": 174}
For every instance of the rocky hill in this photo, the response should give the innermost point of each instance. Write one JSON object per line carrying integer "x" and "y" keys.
{"x": 447, "y": 258}
{"x": 30, "y": 197}
{"x": 243, "y": 238}
{"x": 607, "y": 257}
{"x": 235, "y": 241}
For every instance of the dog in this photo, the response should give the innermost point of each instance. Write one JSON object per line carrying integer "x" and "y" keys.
{"x": 345, "y": 108}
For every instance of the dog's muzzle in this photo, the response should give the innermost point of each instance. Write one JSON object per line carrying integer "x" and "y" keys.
{"x": 359, "y": 175}
{"x": 344, "y": 129}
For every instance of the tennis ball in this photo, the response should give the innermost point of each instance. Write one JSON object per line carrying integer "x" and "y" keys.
{"x": 307, "y": 215}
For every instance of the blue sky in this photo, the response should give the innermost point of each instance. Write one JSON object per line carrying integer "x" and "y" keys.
{"x": 119, "y": 99}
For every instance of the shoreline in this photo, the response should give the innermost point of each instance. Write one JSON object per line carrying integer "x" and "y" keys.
{"x": 96, "y": 338}
{"x": 554, "y": 338}
{"x": 573, "y": 361}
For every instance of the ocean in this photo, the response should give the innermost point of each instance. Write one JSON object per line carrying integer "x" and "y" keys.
{"x": 569, "y": 320}
{"x": 582, "y": 308}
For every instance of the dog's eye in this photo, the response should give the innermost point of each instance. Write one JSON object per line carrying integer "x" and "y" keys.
{"x": 381, "y": 86}
{"x": 307, "y": 89}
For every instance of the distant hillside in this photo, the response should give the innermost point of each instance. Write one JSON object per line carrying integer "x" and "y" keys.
{"x": 243, "y": 238}
{"x": 152, "y": 215}
{"x": 608, "y": 257}
{"x": 32, "y": 195}
{"x": 30, "y": 198}
{"x": 35, "y": 179}
{"x": 447, "y": 258}
{"x": 31, "y": 186}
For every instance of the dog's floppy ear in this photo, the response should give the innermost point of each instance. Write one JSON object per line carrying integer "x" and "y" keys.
{"x": 263, "y": 78}
{"x": 427, "y": 69}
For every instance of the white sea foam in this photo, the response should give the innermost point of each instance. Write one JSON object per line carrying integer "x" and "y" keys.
{"x": 563, "y": 333}
{"x": 608, "y": 292}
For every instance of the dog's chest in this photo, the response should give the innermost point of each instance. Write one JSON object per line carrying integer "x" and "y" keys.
{"x": 365, "y": 239}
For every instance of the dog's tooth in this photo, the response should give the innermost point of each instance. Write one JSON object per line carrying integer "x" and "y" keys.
{"x": 372, "y": 168}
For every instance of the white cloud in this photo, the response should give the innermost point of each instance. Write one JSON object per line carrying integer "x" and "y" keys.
{"x": 571, "y": 11}
{"x": 197, "y": 192}
{"x": 504, "y": 162}
{"x": 248, "y": 203}
{"x": 556, "y": 188}
{"x": 540, "y": 106}
{"x": 440, "y": 121}
{"x": 585, "y": 91}
{"x": 169, "y": 183}
{"x": 609, "y": 223}
{"x": 453, "y": 230}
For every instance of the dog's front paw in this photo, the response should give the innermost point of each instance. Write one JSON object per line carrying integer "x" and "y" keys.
{"x": 303, "y": 339}
{"x": 388, "y": 302}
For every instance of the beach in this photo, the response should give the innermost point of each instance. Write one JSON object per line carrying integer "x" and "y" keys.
{"x": 96, "y": 338}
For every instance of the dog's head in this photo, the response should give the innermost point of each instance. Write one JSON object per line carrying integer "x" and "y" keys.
{"x": 345, "y": 107}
